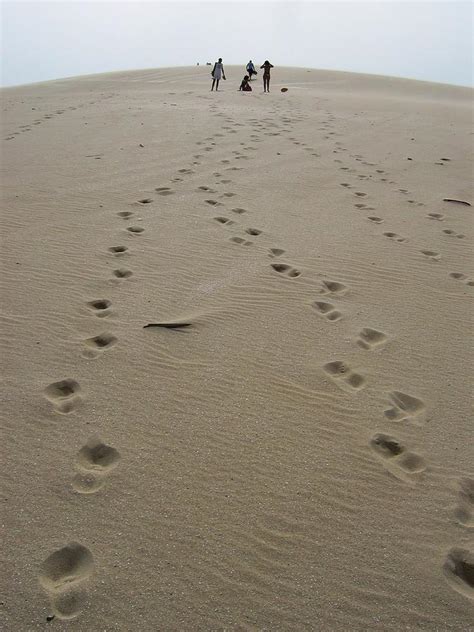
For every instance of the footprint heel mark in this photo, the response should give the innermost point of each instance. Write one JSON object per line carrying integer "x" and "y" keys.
{"x": 98, "y": 344}
{"x": 285, "y": 269}
{"x": 344, "y": 376}
{"x": 253, "y": 231}
{"x": 371, "y": 339}
{"x": 375, "y": 219}
{"x": 458, "y": 570}
{"x": 118, "y": 250}
{"x": 400, "y": 462}
{"x": 145, "y": 201}
{"x": 65, "y": 395}
{"x": 464, "y": 512}
{"x": 327, "y": 310}
{"x": 405, "y": 407}
{"x": 101, "y": 307}
{"x": 62, "y": 576}
{"x": 125, "y": 214}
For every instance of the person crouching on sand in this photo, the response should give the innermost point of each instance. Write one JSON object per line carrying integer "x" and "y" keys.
{"x": 266, "y": 75}
{"x": 245, "y": 86}
{"x": 217, "y": 73}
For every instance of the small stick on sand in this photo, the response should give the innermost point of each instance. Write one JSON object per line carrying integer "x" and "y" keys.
{"x": 456, "y": 201}
{"x": 168, "y": 325}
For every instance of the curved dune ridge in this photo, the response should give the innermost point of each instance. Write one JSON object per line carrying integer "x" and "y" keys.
{"x": 235, "y": 349}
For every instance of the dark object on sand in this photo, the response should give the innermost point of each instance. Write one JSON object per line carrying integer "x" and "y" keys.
{"x": 284, "y": 89}
{"x": 456, "y": 201}
{"x": 176, "y": 325}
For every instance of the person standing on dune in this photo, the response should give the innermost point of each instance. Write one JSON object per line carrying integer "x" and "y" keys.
{"x": 266, "y": 75}
{"x": 217, "y": 73}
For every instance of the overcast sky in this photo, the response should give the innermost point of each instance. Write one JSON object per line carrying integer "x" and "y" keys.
{"x": 428, "y": 40}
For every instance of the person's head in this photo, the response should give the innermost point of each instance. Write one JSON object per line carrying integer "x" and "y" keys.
{"x": 246, "y": 78}
{"x": 220, "y": 59}
{"x": 266, "y": 63}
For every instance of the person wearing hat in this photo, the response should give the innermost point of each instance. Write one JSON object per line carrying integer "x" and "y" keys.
{"x": 266, "y": 75}
{"x": 217, "y": 73}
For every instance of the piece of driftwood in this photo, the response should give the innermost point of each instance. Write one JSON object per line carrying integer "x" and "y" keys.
{"x": 176, "y": 325}
{"x": 456, "y": 201}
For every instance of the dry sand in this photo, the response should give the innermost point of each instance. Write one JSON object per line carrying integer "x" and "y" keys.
{"x": 300, "y": 456}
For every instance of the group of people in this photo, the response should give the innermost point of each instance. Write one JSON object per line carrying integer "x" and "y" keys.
{"x": 218, "y": 74}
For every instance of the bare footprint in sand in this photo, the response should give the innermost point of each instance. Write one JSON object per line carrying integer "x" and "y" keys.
{"x": 395, "y": 237}
{"x": 224, "y": 220}
{"x": 238, "y": 210}
{"x": 436, "y": 216}
{"x": 164, "y": 191}
{"x": 253, "y": 231}
{"x": 213, "y": 202}
{"x": 96, "y": 345}
{"x": 118, "y": 250}
{"x": 135, "y": 230}
{"x": 125, "y": 214}
{"x": 64, "y": 395}
{"x": 371, "y": 339}
{"x": 286, "y": 270}
{"x": 464, "y": 512}
{"x": 431, "y": 254}
{"x": 94, "y": 461}
{"x": 333, "y": 287}
{"x": 327, "y": 310}
{"x": 122, "y": 273}
{"x": 63, "y": 575}
{"x": 275, "y": 252}
{"x": 405, "y": 407}
{"x": 344, "y": 376}
{"x": 458, "y": 570}
{"x": 375, "y": 219}
{"x": 241, "y": 241}
{"x": 398, "y": 461}
{"x": 101, "y": 307}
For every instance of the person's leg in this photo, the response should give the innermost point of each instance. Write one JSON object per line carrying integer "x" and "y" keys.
{"x": 213, "y": 82}
{"x": 217, "y": 85}
{"x": 268, "y": 84}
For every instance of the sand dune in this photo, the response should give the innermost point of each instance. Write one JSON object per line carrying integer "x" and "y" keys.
{"x": 290, "y": 446}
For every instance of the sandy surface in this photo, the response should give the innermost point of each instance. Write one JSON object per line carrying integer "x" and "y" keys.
{"x": 300, "y": 456}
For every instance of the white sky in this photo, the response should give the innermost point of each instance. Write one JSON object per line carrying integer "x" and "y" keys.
{"x": 430, "y": 40}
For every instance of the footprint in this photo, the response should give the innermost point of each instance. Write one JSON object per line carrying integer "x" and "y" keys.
{"x": 395, "y": 237}
{"x": 94, "y": 461}
{"x": 238, "y": 210}
{"x": 343, "y": 375}
{"x": 214, "y": 203}
{"x": 97, "y": 344}
{"x": 253, "y": 231}
{"x": 371, "y": 339}
{"x": 64, "y": 395}
{"x": 464, "y": 512}
{"x": 223, "y": 220}
{"x": 118, "y": 250}
{"x": 452, "y": 233}
{"x": 241, "y": 241}
{"x": 400, "y": 462}
{"x": 122, "y": 273}
{"x": 125, "y": 214}
{"x": 360, "y": 194}
{"x": 327, "y": 310}
{"x": 187, "y": 171}
{"x": 437, "y": 216}
{"x": 405, "y": 407}
{"x": 459, "y": 276}
{"x": 284, "y": 268}
{"x": 458, "y": 569}
{"x": 100, "y": 307}
{"x": 434, "y": 256}
{"x": 204, "y": 188}
{"x": 62, "y": 575}
{"x": 145, "y": 201}
{"x": 276, "y": 252}
{"x": 375, "y": 219}
{"x": 334, "y": 287}
{"x": 164, "y": 191}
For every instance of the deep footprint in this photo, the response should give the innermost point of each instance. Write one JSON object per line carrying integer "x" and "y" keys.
{"x": 64, "y": 395}
{"x": 371, "y": 339}
{"x": 327, "y": 310}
